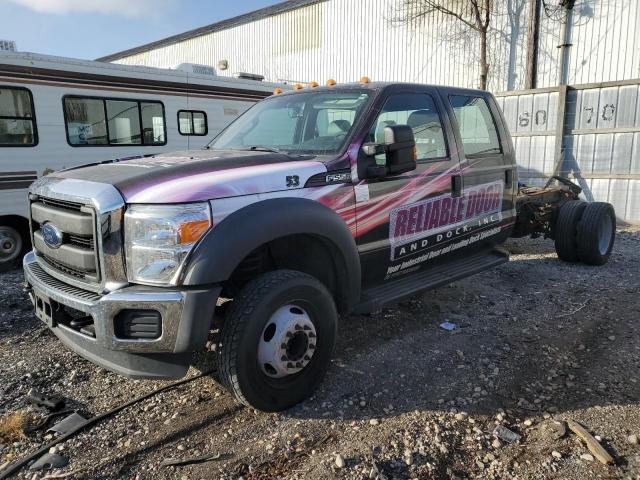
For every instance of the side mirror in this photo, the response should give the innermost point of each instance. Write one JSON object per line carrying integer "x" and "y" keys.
{"x": 401, "y": 153}
{"x": 398, "y": 148}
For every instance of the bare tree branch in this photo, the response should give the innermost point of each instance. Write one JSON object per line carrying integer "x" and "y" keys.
{"x": 473, "y": 14}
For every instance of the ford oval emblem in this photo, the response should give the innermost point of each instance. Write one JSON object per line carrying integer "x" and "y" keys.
{"x": 52, "y": 235}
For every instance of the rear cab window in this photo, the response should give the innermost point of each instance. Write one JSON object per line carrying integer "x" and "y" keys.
{"x": 17, "y": 118}
{"x": 478, "y": 130}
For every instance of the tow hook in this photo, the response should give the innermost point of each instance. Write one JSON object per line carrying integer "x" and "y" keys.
{"x": 28, "y": 289}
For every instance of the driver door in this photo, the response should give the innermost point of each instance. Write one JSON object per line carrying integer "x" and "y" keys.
{"x": 393, "y": 219}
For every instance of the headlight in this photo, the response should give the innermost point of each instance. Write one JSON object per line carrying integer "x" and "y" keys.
{"x": 158, "y": 238}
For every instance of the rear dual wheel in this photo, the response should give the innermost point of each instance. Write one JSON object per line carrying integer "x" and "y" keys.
{"x": 596, "y": 233}
{"x": 585, "y": 232}
{"x": 277, "y": 340}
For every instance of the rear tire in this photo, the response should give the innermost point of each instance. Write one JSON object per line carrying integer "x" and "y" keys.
{"x": 11, "y": 247}
{"x": 267, "y": 308}
{"x": 596, "y": 233}
{"x": 566, "y": 230}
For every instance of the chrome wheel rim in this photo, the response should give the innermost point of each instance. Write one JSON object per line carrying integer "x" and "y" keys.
{"x": 10, "y": 244}
{"x": 287, "y": 343}
{"x": 604, "y": 238}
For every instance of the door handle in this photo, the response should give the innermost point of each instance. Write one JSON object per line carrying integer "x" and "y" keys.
{"x": 456, "y": 185}
{"x": 508, "y": 178}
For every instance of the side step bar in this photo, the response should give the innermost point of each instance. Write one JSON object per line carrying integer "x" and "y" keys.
{"x": 375, "y": 298}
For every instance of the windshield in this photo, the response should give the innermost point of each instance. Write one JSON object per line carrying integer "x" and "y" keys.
{"x": 314, "y": 122}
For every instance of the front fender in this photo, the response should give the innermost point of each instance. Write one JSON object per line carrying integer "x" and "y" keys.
{"x": 222, "y": 249}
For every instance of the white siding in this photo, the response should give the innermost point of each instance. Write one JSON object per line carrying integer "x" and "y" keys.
{"x": 345, "y": 39}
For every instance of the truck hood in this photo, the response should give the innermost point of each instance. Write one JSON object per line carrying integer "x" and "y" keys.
{"x": 200, "y": 175}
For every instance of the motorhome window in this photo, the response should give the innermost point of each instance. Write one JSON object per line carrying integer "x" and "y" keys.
{"x": 477, "y": 128}
{"x": 192, "y": 122}
{"x": 17, "y": 122}
{"x": 86, "y": 121}
{"x": 153, "y": 130}
{"x": 124, "y": 123}
{"x": 100, "y": 121}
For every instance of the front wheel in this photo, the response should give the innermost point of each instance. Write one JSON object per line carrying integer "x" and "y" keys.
{"x": 277, "y": 340}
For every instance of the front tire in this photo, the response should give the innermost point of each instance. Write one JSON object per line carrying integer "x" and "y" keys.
{"x": 277, "y": 340}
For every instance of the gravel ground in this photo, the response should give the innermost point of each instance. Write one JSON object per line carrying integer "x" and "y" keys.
{"x": 537, "y": 341}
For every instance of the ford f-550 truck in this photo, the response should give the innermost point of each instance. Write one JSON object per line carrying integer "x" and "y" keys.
{"x": 314, "y": 203}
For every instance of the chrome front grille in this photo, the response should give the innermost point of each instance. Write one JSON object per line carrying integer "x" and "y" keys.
{"x": 75, "y": 253}
{"x": 59, "y": 286}
{"x": 88, "y": 216}
{"x": 54, "y": 202}
{"x": 79, "y": 240}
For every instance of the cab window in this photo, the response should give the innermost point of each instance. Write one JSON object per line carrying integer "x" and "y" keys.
{"x": 477, "y": 128}
{"x": 17, "y": 119}
{"x": 419, "y": 111}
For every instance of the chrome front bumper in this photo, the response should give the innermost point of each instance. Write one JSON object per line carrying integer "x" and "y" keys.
{"x": 185, "y": 317}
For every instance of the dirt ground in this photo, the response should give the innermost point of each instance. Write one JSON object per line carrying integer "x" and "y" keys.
{"x": 536, "y": 340}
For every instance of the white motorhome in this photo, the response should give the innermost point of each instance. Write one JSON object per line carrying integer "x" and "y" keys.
{"x": 59, "y": 112}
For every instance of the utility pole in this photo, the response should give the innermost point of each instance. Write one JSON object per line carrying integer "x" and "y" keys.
{"x": 532, "y": 44}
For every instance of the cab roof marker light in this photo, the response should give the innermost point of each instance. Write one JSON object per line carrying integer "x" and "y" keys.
{"x": 313, "y": 84}
{"x": 297, "y": 86}
{"x": 365, "y": 79}
{"x": 331, "y": 82}
{"x": 277, "y": 91}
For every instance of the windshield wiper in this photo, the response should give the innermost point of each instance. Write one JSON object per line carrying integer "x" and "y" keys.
{"x": 262, "y": 148}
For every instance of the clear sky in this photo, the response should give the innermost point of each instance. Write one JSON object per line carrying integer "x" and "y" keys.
{"x": 89, "y": 29}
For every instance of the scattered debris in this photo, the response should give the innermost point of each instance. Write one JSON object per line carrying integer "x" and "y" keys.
{"x": 558, "y": 429}
{"x": 506, "y": 435}
{"x": 174, "y": 462}
{"x": 556, "y": 454}
{"x": 40, "y": 423}
{"x": 53, "y": 476}
{"x": 12, "y": 427}
{"x": 592, "y": 444}
{"x": 48, "y": 401}
{"x": 632, "y": 439}
{"x": 339, "y": 461}
{"x": 49, "y": 461}
{"x": 408, "y": 456}
{"x": 587, "y": 457}
{"x": 448, "y": 326}
{"x": 68, "y": 423}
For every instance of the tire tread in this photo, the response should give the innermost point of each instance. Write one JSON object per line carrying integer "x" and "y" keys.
{"x": 239, "y": 314}
{"x": 588, "y": 248}
{"x": 565, "y": 232}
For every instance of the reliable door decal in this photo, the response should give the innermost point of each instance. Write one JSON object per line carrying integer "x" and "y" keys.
{"x": 422, "y": 225}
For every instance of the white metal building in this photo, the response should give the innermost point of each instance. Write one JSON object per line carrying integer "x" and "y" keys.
{"x": 306, "y": 40}
{"x": 583, "y": 119}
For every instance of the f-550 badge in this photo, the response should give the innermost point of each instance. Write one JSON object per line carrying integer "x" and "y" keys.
{"x": 293, "y": 181}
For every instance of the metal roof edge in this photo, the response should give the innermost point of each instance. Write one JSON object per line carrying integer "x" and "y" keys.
{"x": 270, "y": 11}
